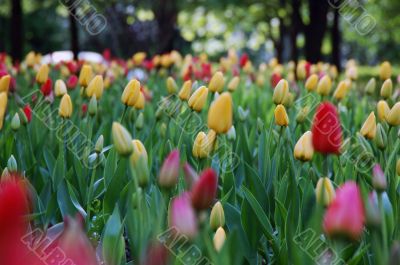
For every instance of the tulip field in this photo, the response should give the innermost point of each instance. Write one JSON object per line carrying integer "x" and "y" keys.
{"x": 184, "y": 159}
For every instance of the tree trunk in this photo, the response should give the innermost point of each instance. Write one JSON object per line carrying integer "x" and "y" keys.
{"x": 315, "y": 31}
{"x": 74, "y": 37}
{"x": 336, "y": 40}
{"x": 166, "y": 15}
{"x": 16, "y": 30}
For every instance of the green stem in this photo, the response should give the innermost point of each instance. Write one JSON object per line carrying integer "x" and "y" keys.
{"x": 90, "y": 193}
{"x": 384, "y": 232}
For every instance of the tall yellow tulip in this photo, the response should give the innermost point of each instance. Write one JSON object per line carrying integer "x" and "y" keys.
{"x": 5, "y": 83}
{"x": 324, "y": 86}
{"x": 325, "y": 192}
{"x": 393, "y": 116}
{"x": 217, "y": 82}
{"x": 281, "y": 117}
{"x": 220, "y": 114}
{"x": 280, "y": 92}
{"x": 65, "y": 109}
{"x": 386, "y": 89}
{"x": 85, "y": 75}
{"x": 304, "y": 150}
{"x": 383, "y": 110}
{"x": 368, "y": 130}
{"x": 43, "y": 74}
{"x": 385, "y": 70}
{"x": 198, "y": 99}
{"x": 186, "y": 89}
{"x": 131, "y": 93}
{"x": 95, "y": 87}
{"x": 311, "y": 83}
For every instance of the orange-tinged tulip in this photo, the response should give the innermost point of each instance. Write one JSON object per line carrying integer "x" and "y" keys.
{"x": 393, "y": 116}
{"x": 198, "y": 99}
{"x": 186, "y": 89}
{"x": 139, "y": 104}
{"x": 368, "y": 130}
{"x": 65, "y": 110}
{"x": 43, "y": 74}
{"x": 325, "y": 192}
{"x": 312, "y": 82}
{"x": 131, "y": 93}
{"x": 3, "y": 107}
{"x": 217, "y": 82}
{"x": 85, "y": 75}
{"x": 281, "y": 117}
{"x": 383, "y": 110}
{"x": 386, "y": 89}
{"x": 220, "y": 114}
{"x": 324, "y": 86}
{"x": 385, "y": 70}
{"x": 5, "y": 83}
{"x": 304, "y": 149}
{"x": 95, "y": 87}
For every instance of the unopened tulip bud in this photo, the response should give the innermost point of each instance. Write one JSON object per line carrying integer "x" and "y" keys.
{"x": 15, "y": 122}
{"x": 217, "y": 83}
{"x": 217, "y": 216}
{"x": 131, "y": 93}
{"x": 139, "y": 104}
{"x": 280, "y": 92}
{"x": 385, "y": 70}
{"x": 393, "y": 116}
{"x": 198, "y": 99}
{"x": 169, "y": 172}
{"x": 142, "y": 170}
{"x": 172, "y": 87}
{"x": 60, "y": 88}
{"x": 191, "y": 176}
{"x": 186, "y": 89}
{"x": 380, "y": 137}
{"x": 371, "y": 86}
{"x": 341, "y": 90}
{"x": 138, "y": 151}
{"x": 304, "y": 149}
{"x": 85, "y": 75}
{"x": 182, "y": 216}
{"x": 219, "y": 239}
{"x": 43, "y": 74}
{"x": 95, "y": 87}
{"x": 139, "y": 122}
{"x": 383, "y": 109}
{"x": 231, "y": 135}
{"x": 378, "y": 179}
{"x": 220, "y": 114}
{"x": 302, "y": 115}
{"x": 198, "y": 146}
{"x": 243, "y": 114}
{"x": 204, "y": 190}
{"x": 99, "y": 144}
{"x": 281, "y": 117}
{"x": 65, "y": 109}
{"x": 122, "y": 139}
{"x": 325, "y": 192}
{"x": 5, "y": 83}
{"x": 398, "y": 167}
{"x": 324, "y": 86}
{"x": 386, "y": 89}
{"x": 234, "y": 83}
{"x": 311, "y": 83}
{"x": 368, "y": 130}
{"x": 93, "y": 106}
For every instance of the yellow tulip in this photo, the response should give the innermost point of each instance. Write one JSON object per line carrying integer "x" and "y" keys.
{"x": 131, "y": 93}
{"x": 368, "y": 130}
{"x": 122, "y": 139}
{"x": 333, "y": 72}
{"x": 301, "y": 70}
{"x": 370, "y": 87}
{"x": 383, "y": 110}
{"x": 234, "y": 83}
{"x": 198, "y": 150}
{"x": 325, "y": 192}
{"x": 341, "y": 90}
{"x": 324, "y": 86}
{"x": 186, "y": 89}
{"x": 65, "y": 110}
{"x": 281, "y": 117}
{"x": 385, "y": 70}
{"x": 30, "y": 59}
{"x": 260, "y": 80}
{"x": 312, "y": 82}
{"x": 138, "y": 58}
{"x": 85, "y": 75}
{"x": 139, "y": 104}
{"x": 304, "y": 150}
{"x": 43, "y": 74}
{"x": 393, "y": 116}
{"x": 95, "y": 87}
{"x": 60, "y": 88}
{"x": 220, "y": 114}
{"x": 138, "y": 151}
{"x": 219, "y": 239}
{"x": 386, "y": 89}
{"x": 398, "y": 167}
{"x": 5, "y": 83}
{"x": 280, "y": 92}
{"x": 172, "y": 87}
{"x": 217, "y": 82}
{"x": 198, "y": 99}
{"x": 3, "y": 107}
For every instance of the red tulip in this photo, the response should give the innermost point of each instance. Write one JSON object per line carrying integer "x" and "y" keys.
{"x": 107, "y": 55}
{"x": 182, "y": 216}
{"x": 72, "y": 82}
{"x": 46, "y": 88}
{"x": 84, "y": 108}
{"x": 28, "y": 112}
{"x": 275, "y": 78}
{"x": 72, "y": 67}
{"x": 156, "y": 254}
{"x": 345, "y": 215}
{"x": 169, "y": 172}
{"x": 243, "y": 60}
{"x": 205, "y": 190}
{"x": 326, "y": 130}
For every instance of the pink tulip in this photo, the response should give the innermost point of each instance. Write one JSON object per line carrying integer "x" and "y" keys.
{"x": 182, "y": 216}
{"x": 191, "y": 175}
{"x": 205, "y": 190}
{"x": 378, "y": 178}
{"x": 345, "y": 215}
{"x": 169, "y": 172}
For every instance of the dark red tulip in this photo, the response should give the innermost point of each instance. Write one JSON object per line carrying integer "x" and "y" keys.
{"x": 156, "y": 254}
{"x": 84, "y": 108}
{"x": 28, "y": 112}
{"x": 205, "y": 190}
{"x": 326, "y": 130}
{"x": 46, "y": 88}
{"x": 107, "y": 55}
{"x": 72, "y": 82}
{"x": 243, "y": 60}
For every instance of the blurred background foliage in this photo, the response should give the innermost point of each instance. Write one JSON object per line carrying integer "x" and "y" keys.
{"x": 286, "y": 29}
